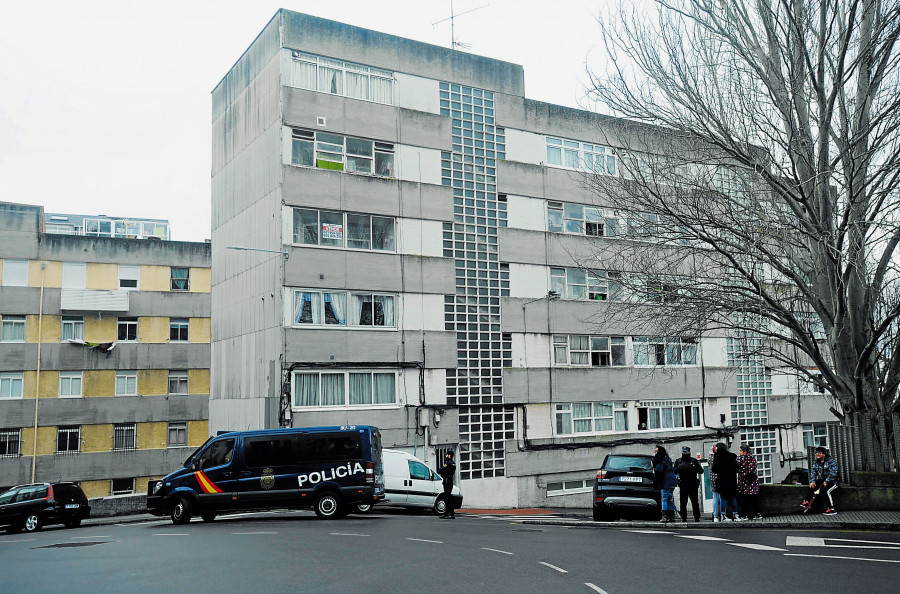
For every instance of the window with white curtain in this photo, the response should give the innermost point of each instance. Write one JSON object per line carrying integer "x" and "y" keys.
{"x": 344, "y": 388}
{"x": 343, "y": 309}
{"x": 12, "y": 328}
{"x": 337, "y": 77}
{"x": 72, "y": 328}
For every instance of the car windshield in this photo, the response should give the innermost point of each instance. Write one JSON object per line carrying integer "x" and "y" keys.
{"x": 633, "y": 463}
{"x": 191, "y": 457}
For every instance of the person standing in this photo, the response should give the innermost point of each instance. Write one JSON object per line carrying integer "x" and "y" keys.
{"x": 725, "y": 467}
{"x": 664, "y": 479}
{"x": 717, "y": 510}
{"x": 689, "y": 472}
{"x": 448, "y": 472}
{"x": 823, "y": 476}
{"x": 748, "y": 484}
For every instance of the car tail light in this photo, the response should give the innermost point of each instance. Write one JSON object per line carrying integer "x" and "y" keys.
{"x": 370, "y": 473}
{"x": 49, "y": 496}
{"x": 598, "y": 499}
{"x": 601, "y": 474}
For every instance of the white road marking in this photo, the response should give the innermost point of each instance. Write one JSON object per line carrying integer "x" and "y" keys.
{"x": 348, "y": 534}
{"x": 495, "y": 551}
{"x": 595, "y": 588}
{"x": 254, "y": 533}
{"x": 649, "y": 531}
{"x": 754, "y": 546}
{"x": 806, "y": 541}
{"x": 559, "y": 569}
{"x": 13, "y": 541}
{"x": 700, "y": 537}
{"x": 424, "y": 540}
{"x": 839, "y": 557}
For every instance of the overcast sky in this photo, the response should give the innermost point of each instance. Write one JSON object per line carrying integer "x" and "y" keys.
{"x": 105, "y": 105}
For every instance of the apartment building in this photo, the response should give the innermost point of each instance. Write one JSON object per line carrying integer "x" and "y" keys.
{"x": 106, "y": 226}
{"x": 410, "y": 224}
{"x": 104, "y": 355}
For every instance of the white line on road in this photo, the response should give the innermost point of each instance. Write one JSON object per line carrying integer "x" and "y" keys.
{"x": 348, "y": 534}
{"x": 754, "y": 546}
{"x": 14, "y": 541}
{"x": 559, "y": 569}
{"x": 423, "y": 540}
{"x": 807, "y": 541}
{"x": 595, "y": 588}
{"x": 649, "y": 531}
{"x": 700, "y": 537}
{"x": 254, "y": 532}
{"x": 839, "y": 557}
{"x": 495, "y": 551}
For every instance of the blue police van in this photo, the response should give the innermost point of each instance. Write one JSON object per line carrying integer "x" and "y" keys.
{"x": 329, "y": 469}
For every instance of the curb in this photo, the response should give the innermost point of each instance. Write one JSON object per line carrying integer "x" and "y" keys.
{"x": 780, "y": 525}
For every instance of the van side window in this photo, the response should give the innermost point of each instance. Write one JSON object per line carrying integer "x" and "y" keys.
{"x": 417, "y": 470}
{"x": 269, "y": 450}
{"x": 217, "y": 454}
{"x": 324, "y": 447}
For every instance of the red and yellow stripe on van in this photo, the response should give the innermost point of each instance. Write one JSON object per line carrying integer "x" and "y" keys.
{"x": 207, "y": 485}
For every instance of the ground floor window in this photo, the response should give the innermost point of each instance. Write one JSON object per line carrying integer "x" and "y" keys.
{"x": 344, "y": 388}
{"x": 122, "y": 486}
{"x": 569, "y": 487}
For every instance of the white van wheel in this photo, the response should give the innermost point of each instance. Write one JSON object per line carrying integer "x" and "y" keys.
{"x": 328, "y": 506}
{"x": 440, "y": 506}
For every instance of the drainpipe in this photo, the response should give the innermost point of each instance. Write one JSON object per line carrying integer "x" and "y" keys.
{"x": 37, "y": 382}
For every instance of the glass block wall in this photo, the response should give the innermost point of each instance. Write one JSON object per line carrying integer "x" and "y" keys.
{"x": 750, "y": 407}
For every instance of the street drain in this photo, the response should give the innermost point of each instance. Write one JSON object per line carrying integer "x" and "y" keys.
{"x": 69, "y": 545}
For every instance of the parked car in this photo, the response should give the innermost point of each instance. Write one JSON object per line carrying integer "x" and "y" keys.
{"x": 31, "y": 507}
{"x": 798, "y": 476}
{"x": 409, "y": 482}
{"x": 624, "y": 487}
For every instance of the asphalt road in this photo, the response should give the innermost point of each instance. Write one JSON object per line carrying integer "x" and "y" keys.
{"x": 403, "y": 552}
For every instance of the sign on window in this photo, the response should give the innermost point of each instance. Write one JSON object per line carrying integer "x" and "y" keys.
{"x": 332, "y": 231}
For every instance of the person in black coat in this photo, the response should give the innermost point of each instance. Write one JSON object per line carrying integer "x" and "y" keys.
{"x": 689, "y": 472}
{"x": 725, "y": 467}
{"x": 447, "y": 472}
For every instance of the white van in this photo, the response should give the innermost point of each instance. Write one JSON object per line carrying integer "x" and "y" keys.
{"x": 408, "y": 482}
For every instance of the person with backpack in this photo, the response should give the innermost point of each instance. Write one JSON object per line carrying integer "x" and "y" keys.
{"x": 824, "y": 479}
{"x": 664, "y": 479}
{"x": 688, "y": 471}
{"x": 748, "y": 484}
{"x": 725, "y": 467}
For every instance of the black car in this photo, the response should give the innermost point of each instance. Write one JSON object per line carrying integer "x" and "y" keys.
{"x": 624, "y": 487}
{"x": 31, "y": 507}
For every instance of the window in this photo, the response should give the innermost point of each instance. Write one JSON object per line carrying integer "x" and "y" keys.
{"x": 70, "y": 384}
{"x": 595, "y": 351}
{"x": 68, "y": 439}
{"x": 12, "y": 328}
{"x": 650, "y": 351}
{"x": 581, "y": 155}
{"x": 579, "y": 220}
{"x": 11, "y": 385}
{"x": 331, "y": 309}
{"x": 126, "y": 329}
{"x": 129, "y": 277}
{"x": 72, "y": 328}
{"x": 418, "y": 471}
{"x": 341, "y": 78}
{"x": 345, "y": 388}
{"x": 123, "y": 436}
{"x": 178, "y": 329}
{"x": 121, "y": 486}
{"x": 10, "y": 443}
{"x": 342, "y": 153}
{"x": 271, "y": 450}
{"x": 15, "y": 273}
{"x": 591, "y": 417}
{"x": 177, "y": 435}
{"x": 813, "y": 324}
{"x": 569, "y": 487}
{"x": 346, "y": 230}
{"x": 126, "y": 383}
{"x": 669, "y": 414}
{"x": 73, "y": 275}
{"x": 178, "y": 382}
{"x": 180, "y": 279}
{"x": 815, "y": 435}
{"x": 574, "y": 283}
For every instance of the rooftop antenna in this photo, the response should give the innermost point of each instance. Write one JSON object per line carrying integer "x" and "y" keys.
{"x": 454, "y": 43}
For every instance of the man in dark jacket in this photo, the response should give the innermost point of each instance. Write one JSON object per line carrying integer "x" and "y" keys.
{"x": 447, "y": 472}
{"x": 689, "y": 472}
{"x": 823, "y": 476}
{"x": 725, "y": 467}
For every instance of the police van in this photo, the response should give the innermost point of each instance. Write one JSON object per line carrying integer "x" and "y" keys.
{"x": 329, "y": 469}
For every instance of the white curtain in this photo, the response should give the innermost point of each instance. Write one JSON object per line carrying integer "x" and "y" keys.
{"x": 332, "y": 389}
{"x": 359, "y": 301}
{"x": 360, "y": 388}
{"x": 306, "y": 389}
{"x": 330, "y": 80}
{"x": 357, "y": 85}
{"x": 382, "y": 90}
{"x": 304, "y": 75}
{"x": 306, "y": 308}
{"x": 387, "y": 308}
{"x": 385, "y": 388}
{"x": 337, "y": 301}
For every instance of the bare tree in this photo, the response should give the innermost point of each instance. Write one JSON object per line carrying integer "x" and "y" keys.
{"x": 758, "y": 179}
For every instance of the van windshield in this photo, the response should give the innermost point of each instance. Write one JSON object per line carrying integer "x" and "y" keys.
{"x": 197, "y": 451}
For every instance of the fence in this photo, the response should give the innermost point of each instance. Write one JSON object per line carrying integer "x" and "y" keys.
{"x": 853, "y": 444}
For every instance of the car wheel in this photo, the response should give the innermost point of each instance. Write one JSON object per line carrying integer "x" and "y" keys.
{"x": 440, "y": 506}
{"x": 32, "y": 523}
{"x": 181, "y": 511}
{"x": 208, "y": 517}
{"x": 73, "y": 523}
{"x": 328, "y": 506}
{"x": 363, "y": 508}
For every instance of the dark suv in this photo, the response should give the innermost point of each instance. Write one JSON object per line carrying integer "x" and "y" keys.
{"x": 31, "y": 507}
{"x": 624, "y": 487}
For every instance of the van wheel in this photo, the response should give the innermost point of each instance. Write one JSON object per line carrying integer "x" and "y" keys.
{"x": 363, "y": 508}
{"x": 440, "y": 506}
{"x": 208, "y": 517}
{"x": 32, "y": 523}
{"x": 181, "y": 511}
{"x": 328, "y": 506}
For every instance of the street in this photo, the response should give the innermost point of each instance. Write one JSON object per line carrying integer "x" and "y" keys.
{"x": 404, "y": 552}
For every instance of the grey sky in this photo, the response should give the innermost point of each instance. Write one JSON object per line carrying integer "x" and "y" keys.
{"x": 105, "y": 105}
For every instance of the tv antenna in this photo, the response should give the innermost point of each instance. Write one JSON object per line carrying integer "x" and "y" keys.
{"x": 455, "y": 43}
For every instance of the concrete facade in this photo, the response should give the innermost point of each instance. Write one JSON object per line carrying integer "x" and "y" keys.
{"x": 469, "y": 351}
{"x": 70, "y": 407}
